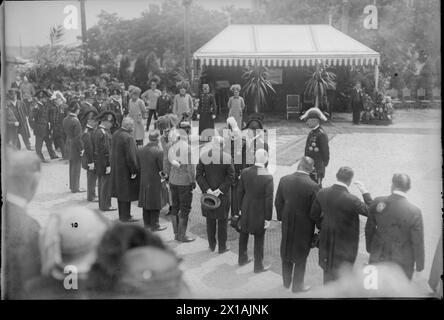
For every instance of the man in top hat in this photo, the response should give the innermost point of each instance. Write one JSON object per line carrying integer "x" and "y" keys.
{"x": 58, "y": 112}
{"x": 215, "y": 175}
{"x": 182, "y": 179}
{"x": 100, "y": 99}
{"x": 16, "y": 85}
{"x": 124, "y": 169}
{"x": 151, "y": 168}
{"x": 357, "y": 102}
{"x": 394, "y": 231}
{"x": 19, "y": 112}
{"x": 206, "y": 113}
{"x": 255, "y": 138}
{"x": 88, "y": 154}
{"x": 102, "y": 158}
{"x": 40, "y": 125}
{"x": 73, "y": 131}
{"x": 255, "y": 193}
{"x": 316, "y": 146}
{"x": 294, "y": 197}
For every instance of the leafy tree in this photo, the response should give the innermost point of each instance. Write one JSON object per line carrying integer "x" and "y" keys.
{"x": 257, "y": 87}
{"x": 317, "y": 86}
{"x": 140, "y": 73}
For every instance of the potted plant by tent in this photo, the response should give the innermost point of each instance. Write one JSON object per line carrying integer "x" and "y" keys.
{"x": 320, "y": 81}
{"x": 257, "y": 87}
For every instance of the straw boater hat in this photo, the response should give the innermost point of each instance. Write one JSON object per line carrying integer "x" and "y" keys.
{"x": 314, "y": 113}
{"x": 57, "y": 94}
{"x": 235, "y": 87}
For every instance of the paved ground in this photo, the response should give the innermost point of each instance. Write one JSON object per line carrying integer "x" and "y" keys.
{"x": 411, "y": 145}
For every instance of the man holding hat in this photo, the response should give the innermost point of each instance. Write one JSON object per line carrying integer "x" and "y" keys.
{"x": 88, "y": 155}
{"x": 40, "y": 125}
{"x": 316, "y": 146}
{"x": 151, "y": 167}
{"x": 102, "y": 158}
{"x": 73, "y": 131}
{"x": 215, "y": 175}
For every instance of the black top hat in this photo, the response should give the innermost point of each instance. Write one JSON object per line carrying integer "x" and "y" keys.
{"x": 107, "y": 116}
{"x": 255, "y": 117}
{"x": 210, "y": 201}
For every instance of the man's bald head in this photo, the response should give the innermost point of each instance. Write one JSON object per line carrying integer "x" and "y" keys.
{"x": 401, "y": 182}
{"x": 128, "y": 123}
{"x": 306, "y": 164}
{"x": 261, "y": 156}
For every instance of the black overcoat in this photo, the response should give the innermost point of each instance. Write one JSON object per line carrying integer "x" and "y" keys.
{"x": 219, "y": 175}
{"x": 206, "y": 110}
{"x": 40, "y": 119}
{"x": 294, "y": 198}
{"x": 88, "y": 154}
{"x": 102, "y": 150}
{"x": 255, "y": 194}
{"x": 336, "y": 212}
{"x": 394, "y": 233}
{"x": 20, "y": 115}
{"x": 151, "y": 164}
{"x": 73, "y": 131}
{"x": 123, "y": 165}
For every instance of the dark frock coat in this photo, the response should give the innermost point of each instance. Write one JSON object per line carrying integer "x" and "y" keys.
{"x": 73, "y": 131}
{"x": 102, "y": 150}
{"x": 394, "y": 232}
{"x": 20, "y": 115}
{"x": 123, "y": 165}
{"x": 336, "y": 212}
{"x": 294, "y": 198}
{"x": 216, "y": 176}
{"x": 40, "y": 119}
{"x": 151, "y": 164}
{"x": 88, "y": 154}
{"x": 255, "y": 193}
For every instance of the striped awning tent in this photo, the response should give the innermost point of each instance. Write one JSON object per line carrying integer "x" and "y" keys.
{"x": 284, "y": 46}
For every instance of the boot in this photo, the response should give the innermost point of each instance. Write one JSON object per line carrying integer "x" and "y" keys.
{"x": 175, "y": 226}
{"x": 182, "y": 229}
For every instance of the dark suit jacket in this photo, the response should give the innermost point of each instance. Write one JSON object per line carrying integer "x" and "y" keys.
{"x": 394, "y": 233}
{"x": 88, "y": 155}
{"x": 123, "y": 165}
{"x": 20, "y": 115}
{"x": 151, "y": 163}
{"x": 39, "y": 119}
{"x": 255, "y": 194}
{"x": 336, "y": 212}
{"x": 316, "y": 147}
{"x": 102, "y": 150}
{"x": 73, "y": 131}
{"x": 22, "y": 254}
{"x": 294, "y": 198}
{"x": 216, "y": 176}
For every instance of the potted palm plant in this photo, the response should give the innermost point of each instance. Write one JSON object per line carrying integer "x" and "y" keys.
{"x": 257, "y": 87}
{"x": 318, "y": 84}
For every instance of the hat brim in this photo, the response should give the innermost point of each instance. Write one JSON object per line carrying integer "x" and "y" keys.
{"x": 209, "y": 201}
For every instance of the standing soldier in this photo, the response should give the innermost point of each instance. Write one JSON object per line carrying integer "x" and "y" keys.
{"x": 58, "y": 112}
{"x": 150, "y": 97}
{"x": 316, "y": 146}
{"x": 102, "y": 161}
{"x": 357, "y": 102}
{"x": 214, "y": 175}
{"x": 40, "y": 125}
{"x": 394, "y": 231}
{"x": 74, "y": 145}
{"x": 88, "y": 155}
{"x": 206, "y": 112}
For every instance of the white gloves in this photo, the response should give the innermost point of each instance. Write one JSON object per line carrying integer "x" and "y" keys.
{"x": 81, "y": 153}
{"x": 175, "y": 163}
{"x": 267, "y": 224}
{"x": 361, "y": 187}
{"x": 198, "y": 116}
{"x": 213, "y": 116}
{"x": 108, "y": 170}
{"x": 91, "y": 166}
{"x": 216, "y": 192}
{"x": 133, "y": 176}
{"x": 16, "y": 124}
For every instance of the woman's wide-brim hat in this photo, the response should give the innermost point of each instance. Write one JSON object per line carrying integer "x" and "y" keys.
{"x": 210, "y": 201}
{"x": 107, "y": 116}
{"x": 85, "y": 111}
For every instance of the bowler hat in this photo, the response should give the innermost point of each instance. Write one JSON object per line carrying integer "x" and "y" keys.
{"x": 210, "y": 201}
{"x": 41, "y": 92}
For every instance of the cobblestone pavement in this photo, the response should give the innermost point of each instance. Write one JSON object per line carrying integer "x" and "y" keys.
{"x": 411, "y": 145}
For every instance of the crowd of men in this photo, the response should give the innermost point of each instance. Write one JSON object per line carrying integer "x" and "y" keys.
{"x": 98, "y": 134}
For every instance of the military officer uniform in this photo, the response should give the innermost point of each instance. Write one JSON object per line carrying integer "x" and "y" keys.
{"x": 316, "y": 146}
{"x": 88, "y": 156}
{"x": 394, "y": 233}
{"x": 102, "y": 161}
{"x": 40, "y": 125}
{"x": 206, "y": 111}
